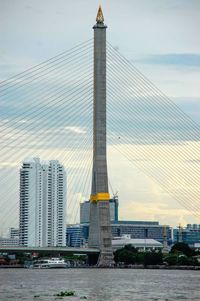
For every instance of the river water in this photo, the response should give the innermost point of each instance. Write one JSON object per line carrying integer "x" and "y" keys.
{"x": 100, "y": 284}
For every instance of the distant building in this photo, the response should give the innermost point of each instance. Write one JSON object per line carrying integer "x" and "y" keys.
{"x": 85, "y": 210}
{"x": 9, "y": 242}
{"x": 42, "y": 203}
{"x": 134, "y": 229}
{"x": 142, "y": 230}
{"x": 13, "y": 239}
{"x": 189, "y": 235}
{"x": 73, "y": 235}
{"x": 14, "y": 233}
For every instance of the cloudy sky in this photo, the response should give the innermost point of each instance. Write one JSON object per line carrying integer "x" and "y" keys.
{"x": 161, "y": 38}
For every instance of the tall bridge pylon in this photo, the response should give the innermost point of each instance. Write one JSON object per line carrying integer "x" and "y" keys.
{"x": 100, "y": 228}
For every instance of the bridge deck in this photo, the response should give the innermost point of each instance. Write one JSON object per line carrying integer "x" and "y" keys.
{"x": 50, "y": 249}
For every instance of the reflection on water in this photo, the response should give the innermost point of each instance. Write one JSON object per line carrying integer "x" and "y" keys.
{"x": 100, "y": 284}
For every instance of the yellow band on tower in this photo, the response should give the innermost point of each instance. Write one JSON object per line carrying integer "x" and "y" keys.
{"x": 101, "y": 196}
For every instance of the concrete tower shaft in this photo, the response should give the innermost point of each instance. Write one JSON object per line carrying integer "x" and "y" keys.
{"x": 99, "y": 179}
{"x": 100, "y": 228}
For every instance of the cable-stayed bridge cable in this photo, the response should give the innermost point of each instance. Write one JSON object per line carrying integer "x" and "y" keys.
{"x": 40, "y": 65}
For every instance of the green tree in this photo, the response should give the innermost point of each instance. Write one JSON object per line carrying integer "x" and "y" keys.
{"x": 183, "y": 248}
{"x": 171, "y": 259}
{"x": 140, "y": 257}
{"x": 126, "y": 255}
{"x": 153, "y": 258}
{"x": 184, "y": 260}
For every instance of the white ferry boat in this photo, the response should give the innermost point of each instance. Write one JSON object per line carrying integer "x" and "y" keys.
{"x": 48, "y": 263}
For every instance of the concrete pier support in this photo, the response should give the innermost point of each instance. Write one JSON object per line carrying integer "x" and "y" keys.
{"x": 100, "y": 228}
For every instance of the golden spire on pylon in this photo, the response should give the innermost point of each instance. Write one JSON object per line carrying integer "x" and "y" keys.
{"x": 100, "y": 17}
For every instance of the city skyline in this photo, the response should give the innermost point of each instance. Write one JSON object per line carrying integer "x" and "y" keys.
{"x": 178, "y": 79}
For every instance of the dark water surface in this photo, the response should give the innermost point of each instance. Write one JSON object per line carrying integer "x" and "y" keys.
{"x": 100, "y": 284}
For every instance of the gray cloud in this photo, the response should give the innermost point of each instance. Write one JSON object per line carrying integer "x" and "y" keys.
{"x": 175, "y": 59}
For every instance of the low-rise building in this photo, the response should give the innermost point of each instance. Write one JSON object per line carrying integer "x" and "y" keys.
{"x": 139, "y": 244}
{"x": 9, "y": 242}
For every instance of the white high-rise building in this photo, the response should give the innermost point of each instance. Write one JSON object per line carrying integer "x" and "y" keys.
{"x": 42, "y": 204}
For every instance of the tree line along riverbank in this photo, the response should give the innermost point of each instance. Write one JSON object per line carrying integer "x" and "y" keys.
{"x": 181, "y": 256}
